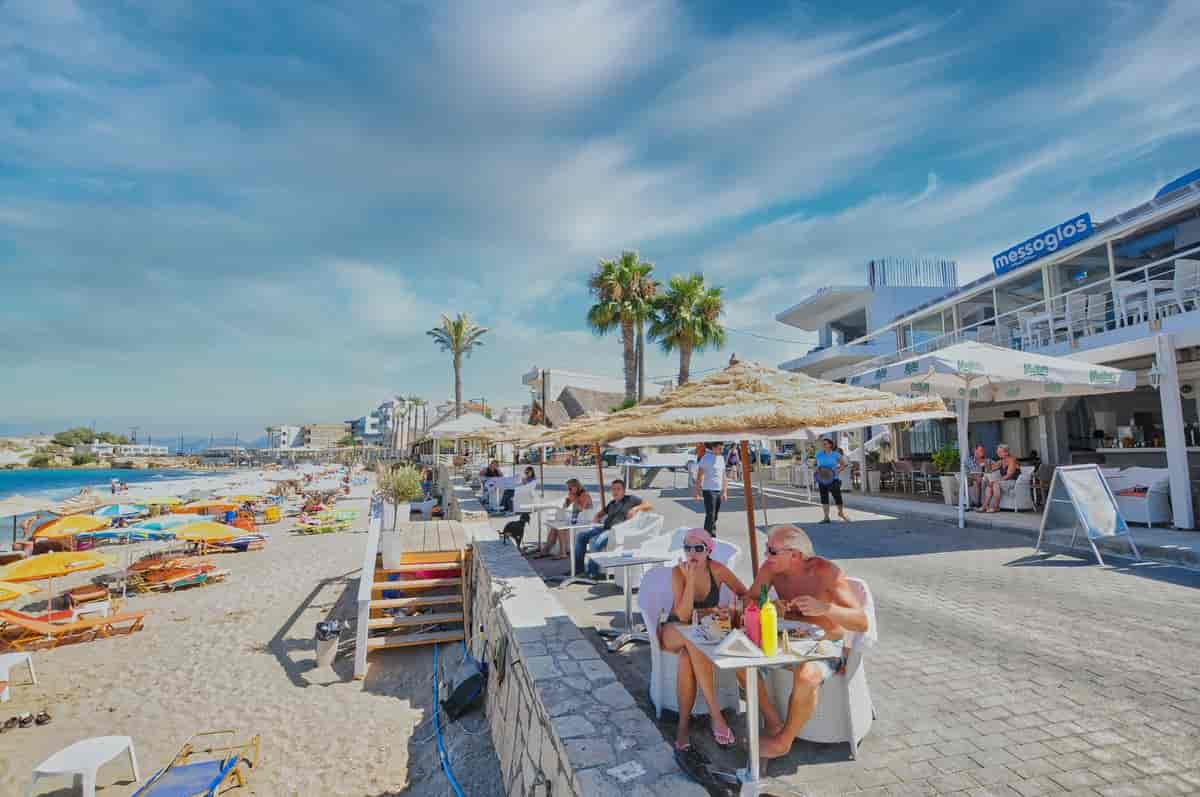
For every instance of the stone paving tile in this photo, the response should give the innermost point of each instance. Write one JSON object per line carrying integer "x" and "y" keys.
{"x": 986, "y": 652}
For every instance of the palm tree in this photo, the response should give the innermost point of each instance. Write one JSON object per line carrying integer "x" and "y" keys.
{"x": 687, "y": 320}
{"x": 623, "y": 290}
{"x": 458, "y": 336}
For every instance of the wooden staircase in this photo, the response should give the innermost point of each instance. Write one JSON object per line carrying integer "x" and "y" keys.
{"x": 433, "y": 607}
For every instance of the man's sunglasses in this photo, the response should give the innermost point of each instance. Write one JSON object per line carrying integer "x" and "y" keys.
{"x": 701, "y": 548}
{"x": 775, "y": 551}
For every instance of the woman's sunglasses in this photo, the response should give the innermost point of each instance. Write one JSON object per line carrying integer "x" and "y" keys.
{"x": 701, "y": 548}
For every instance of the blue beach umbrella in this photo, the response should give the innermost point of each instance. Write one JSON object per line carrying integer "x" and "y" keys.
{"x": 120, "y": 510}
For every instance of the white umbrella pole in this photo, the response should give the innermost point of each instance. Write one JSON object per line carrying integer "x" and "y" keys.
{"x": 964, "y": 405}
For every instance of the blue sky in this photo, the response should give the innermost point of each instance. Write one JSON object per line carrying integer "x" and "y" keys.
{"x": 214, "y": 216}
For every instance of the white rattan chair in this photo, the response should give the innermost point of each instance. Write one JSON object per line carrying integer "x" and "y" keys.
{"x": 844, "y": 711}
{"x": 654, "y": 601}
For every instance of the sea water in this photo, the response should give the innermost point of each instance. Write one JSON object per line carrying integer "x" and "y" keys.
{"x": 61, "y": 483}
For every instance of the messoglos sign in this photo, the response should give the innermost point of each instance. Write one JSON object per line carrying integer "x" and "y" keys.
{"x": 1047, "y": 243}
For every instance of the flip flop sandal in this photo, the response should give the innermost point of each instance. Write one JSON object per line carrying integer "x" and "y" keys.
{"x": 26, "y": 720}
{"x": 11, "y": 723}
{"x": 724, "y": 740}
{"x": 42, "y": 718}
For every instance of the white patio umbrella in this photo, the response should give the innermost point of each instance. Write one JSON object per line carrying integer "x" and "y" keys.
{"x": 975, "y": 372}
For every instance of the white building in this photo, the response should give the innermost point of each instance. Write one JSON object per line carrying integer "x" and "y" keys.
{"x": 98, "y": 449}
{"x": 1123, "y": 292}
{"x": 283, "y": 436}
{"x": 842, "y": 315}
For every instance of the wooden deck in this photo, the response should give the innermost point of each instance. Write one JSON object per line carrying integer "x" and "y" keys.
{"x": 431, "y": 576}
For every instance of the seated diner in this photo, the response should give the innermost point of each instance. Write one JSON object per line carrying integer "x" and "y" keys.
{"x": 816, "y": 591}
{"x": 1001, "y": 477}
{"x": 622, "y": 507}
{"x": 576, "y": 503}
{"x": 696, "y": 586}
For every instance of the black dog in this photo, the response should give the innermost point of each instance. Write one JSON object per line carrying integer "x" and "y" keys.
{"x": 515, "y": 530}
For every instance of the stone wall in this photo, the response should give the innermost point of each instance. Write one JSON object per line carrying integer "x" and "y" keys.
{"x": 561, "y": 724}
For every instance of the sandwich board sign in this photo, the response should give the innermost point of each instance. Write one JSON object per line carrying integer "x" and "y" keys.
{"x": 1080, "y": 498}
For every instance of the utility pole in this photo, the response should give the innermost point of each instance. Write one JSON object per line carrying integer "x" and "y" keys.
{"x": 133, "y": 430}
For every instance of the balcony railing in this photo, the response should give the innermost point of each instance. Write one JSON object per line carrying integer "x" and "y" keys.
{"x": 1157, "y": 290}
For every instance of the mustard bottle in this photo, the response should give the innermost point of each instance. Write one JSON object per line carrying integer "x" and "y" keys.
{"x": 769, "y": 625}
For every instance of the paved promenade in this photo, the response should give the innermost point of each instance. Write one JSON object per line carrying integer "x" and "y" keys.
{"x": 998, "y": 671}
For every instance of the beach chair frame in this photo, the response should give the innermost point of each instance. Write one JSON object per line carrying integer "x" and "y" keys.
{"x": 234, "y": 755}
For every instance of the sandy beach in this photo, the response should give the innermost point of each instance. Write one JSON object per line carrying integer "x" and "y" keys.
{"x": 240, "y": 655}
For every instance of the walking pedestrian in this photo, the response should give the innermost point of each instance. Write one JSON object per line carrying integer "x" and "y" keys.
{"x": 712, "y": 484}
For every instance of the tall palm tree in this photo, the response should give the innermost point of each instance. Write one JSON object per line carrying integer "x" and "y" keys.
{"x": 459, "y": 336}
{"x": 687, "y": 319}
{"x": 623, "y": 289}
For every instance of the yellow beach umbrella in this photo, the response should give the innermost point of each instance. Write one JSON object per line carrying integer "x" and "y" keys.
{"x": 69, "y": 526}
{"x": 206, "y": 531}
{"x": 50, "y": 566}
{"x": 165, "y": 500}
{"x": 10, "y": 591}
{"x": 215, "y": 503}
{"x": 241, "y": 499}
{"x": 53, "y": 565}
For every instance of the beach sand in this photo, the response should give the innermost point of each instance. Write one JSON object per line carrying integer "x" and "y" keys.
{"x": 240, "y": 655}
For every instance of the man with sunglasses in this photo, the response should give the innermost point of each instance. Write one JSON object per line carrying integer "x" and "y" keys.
{"x": 814, "y": 590}
{"x": 622, "y": 507}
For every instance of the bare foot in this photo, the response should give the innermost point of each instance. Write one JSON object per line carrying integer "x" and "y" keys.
{"x": 774, "y": 746}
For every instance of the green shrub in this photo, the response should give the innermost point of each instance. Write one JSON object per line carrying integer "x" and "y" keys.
{"x": 946, "y": 459}
{"x": 39, "y": 461}
{"x": 83, "y": 459}
{"x": 399, "y": 486}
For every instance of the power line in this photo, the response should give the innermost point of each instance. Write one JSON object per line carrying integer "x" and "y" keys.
{"x": 768, "y": 337}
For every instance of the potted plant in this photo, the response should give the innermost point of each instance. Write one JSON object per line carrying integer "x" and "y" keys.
{"x": 946, "y": 460}
{"x": 873, "y": 471}
{"x": 400, "y": 486}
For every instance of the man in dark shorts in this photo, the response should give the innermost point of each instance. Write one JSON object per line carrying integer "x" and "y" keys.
{"x": 622, "y": 507}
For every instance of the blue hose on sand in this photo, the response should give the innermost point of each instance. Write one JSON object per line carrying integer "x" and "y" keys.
{"x": 437, "y": 723}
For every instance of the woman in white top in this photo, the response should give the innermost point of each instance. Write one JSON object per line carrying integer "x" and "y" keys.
{"x": 577, "y": 503}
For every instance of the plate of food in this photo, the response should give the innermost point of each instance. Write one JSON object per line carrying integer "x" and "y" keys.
{"x": 713, "y": 629}
{"x": 798, "y": 629}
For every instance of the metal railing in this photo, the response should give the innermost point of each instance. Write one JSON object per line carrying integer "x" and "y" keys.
{"x": 365, "y": 582}
{"x": 1156, "y": 290}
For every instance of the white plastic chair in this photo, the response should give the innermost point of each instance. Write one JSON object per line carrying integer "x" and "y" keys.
{"x": 1097, "y": 313}
{"x": 631, "y": 536}
{"x": 1185, "y": 287}
{"x": 524, "y": 496}
{"x": 654, "y": 601}
{"x": 844, "y": 711}
{"x": 7, "y": 662}
{"x": 84, "y": 759}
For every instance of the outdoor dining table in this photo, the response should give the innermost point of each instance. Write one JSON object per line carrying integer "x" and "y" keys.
{"x": 615, "y": 560}
{"x": 539, "y": 508}
{"x": 749, "y": 776}
{"x": 573, "y": 578}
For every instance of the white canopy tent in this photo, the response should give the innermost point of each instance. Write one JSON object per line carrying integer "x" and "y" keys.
{"x": 975, "y": 372}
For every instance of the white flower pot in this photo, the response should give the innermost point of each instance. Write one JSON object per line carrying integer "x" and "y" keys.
{"x": 950, "y": 490}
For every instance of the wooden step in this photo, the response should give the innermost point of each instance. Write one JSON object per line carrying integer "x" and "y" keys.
{"x": 416, "y": 619}
{"x": 422, "y": 567}
{"x": 409, "y": 640}
{"x": 413, "y": 603}
{"x": 416, "y": 583}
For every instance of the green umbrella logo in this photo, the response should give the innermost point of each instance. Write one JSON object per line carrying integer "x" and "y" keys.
{"x": 1102, "y": 378}
{"x": 1037, "y": 371}
{"x": 911, "y": 368}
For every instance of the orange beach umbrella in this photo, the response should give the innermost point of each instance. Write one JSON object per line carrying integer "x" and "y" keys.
{"x": 69, "y": 526}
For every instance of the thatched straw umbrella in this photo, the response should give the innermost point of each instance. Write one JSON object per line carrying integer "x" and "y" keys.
{"x": 749, "y": 401}
{"x": 521, "y": 435}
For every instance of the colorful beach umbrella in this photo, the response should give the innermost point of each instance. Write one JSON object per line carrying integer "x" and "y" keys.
{"x": 167, "y": 522}
{"x": 10, "y": 591}
{"x": 69, "y": 526}
{"x": 49, "y": 566}
{"x": 52, "y": 565}
{"x": 241, "y": 499}
{"x": 164, "y": 500}
{"x": 120, "y": 510}
{"x": 206, "y": 531}
{"x": 220, "y": 504}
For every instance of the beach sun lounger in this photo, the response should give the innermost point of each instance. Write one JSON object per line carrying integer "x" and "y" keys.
{"x": 199, "y": 770}
{"x": 28, "y": 634}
